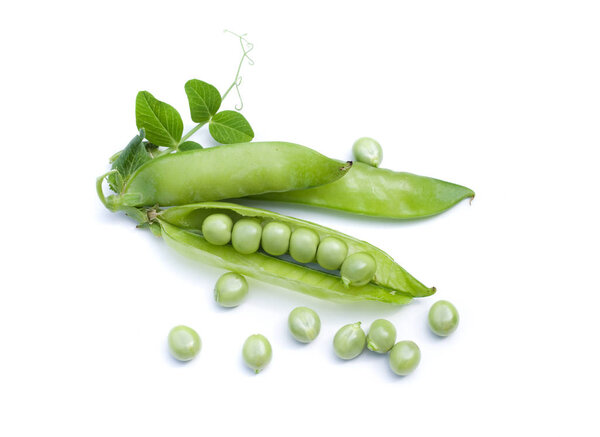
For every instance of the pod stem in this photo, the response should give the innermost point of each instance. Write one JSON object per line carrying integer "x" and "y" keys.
{"x": 99, "y": 190}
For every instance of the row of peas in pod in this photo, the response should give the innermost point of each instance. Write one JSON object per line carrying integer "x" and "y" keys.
{"x": 247, "y": 235}
{"x": 304, "y": 325}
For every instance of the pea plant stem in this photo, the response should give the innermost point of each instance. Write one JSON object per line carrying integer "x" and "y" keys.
{"x": 190, "y": 133}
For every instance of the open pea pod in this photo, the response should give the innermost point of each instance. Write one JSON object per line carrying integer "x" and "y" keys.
{"x": 275, "y": 271}
{"x": 224, "y": 172}
{"x": 380, "y": 192}
{"x": 391, "y": 283}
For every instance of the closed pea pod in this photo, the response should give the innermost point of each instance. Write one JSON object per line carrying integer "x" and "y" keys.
{"x": 228, "y": 171}
{"x": 380, "y": 193}
{"x": 358, "y": 269}
{"x": 276, "y": 238}
{"x": 331, "y": 253}
{"x": 216, "y": 228}
{"x": 246, "y": 236}
{"x": 303, "y": 245}
{"x": 367, "y": 150}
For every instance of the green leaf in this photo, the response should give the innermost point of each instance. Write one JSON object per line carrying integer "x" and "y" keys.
{"x": 115, "y": 182}
{"x": 161, "y": 121}
{"x": 189, "y": 145}
{"x": 230, "y": 127}
{"x": 130, "y": 159}
{"x": 204, "y": 99}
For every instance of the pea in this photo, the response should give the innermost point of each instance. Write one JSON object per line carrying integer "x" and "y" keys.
{"x": 245, "y": 237}
{"x": 404, "y": 357}
{"x": 231, "y": 289}
{"x": 367, "y": 150}
{"x": 443, "y": 318}
{"x": 257, "y": 352}
{"x": 349, "y": 341}
{"x": 304, "y": 324}
{"x": 358, "y": 269}
{"x": 303, "y": 245}
{"x": 331, "y": 253}
{"x": 184, "y": 343}
{"x": 382, "y": 336}
{"x": 216, "y": 229}
{"x": 276, "y": 238}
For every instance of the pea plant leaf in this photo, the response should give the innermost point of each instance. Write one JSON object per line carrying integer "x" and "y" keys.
{"x": 230, "y": 127}
{"x": 161, "y": 121}
{"x": 189, "y": 145}
{"x": 204, "y": 99}
{"x": 130, "y": 159}
{"x": 115, "y": 181}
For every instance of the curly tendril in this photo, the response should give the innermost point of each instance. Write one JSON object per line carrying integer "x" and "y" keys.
{"x": 247, "y": 47}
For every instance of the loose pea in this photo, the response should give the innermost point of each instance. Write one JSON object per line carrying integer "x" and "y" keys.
{"x": 257, "y": 352}
{"x": 184, "y": 343}
{"x": 358, "y": 269}
{"x": 404, "y": 357}
{"x": 246, "y": 236}
{"x": 349, "y": 341}
{"x": 303, "y": 245}
{"x": 216, "y": 229}
{"x": 443, "y": 318}
{"x": 368, "y": 150}
{"x": 276, "y": 238}
{"x": 231, "y": 289}
{"x": 382, "y": 336}
{"x": 304, "y": 324}
{"x": 331, "y": 253}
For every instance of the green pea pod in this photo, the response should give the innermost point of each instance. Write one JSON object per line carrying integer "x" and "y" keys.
{"x": 391, "y": 283}
{"x": 380, "y": 193}
{"x": 223, "y": 172}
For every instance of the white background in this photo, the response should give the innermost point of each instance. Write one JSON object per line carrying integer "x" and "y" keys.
{"x": 503, "y": 97}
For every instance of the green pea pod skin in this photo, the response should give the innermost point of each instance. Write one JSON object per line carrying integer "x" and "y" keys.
{"x": 389, "y": 275}
{"x": 228, "y": 171}
{"x": 380, "y": 193}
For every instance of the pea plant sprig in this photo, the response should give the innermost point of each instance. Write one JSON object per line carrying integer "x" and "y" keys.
{"x": 161, "y": 127}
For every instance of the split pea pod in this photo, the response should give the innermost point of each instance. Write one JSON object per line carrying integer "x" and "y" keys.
{"x": 380, "y": 193}
{"x": 228, "y": 171}
{"x": 181, "y": 228}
